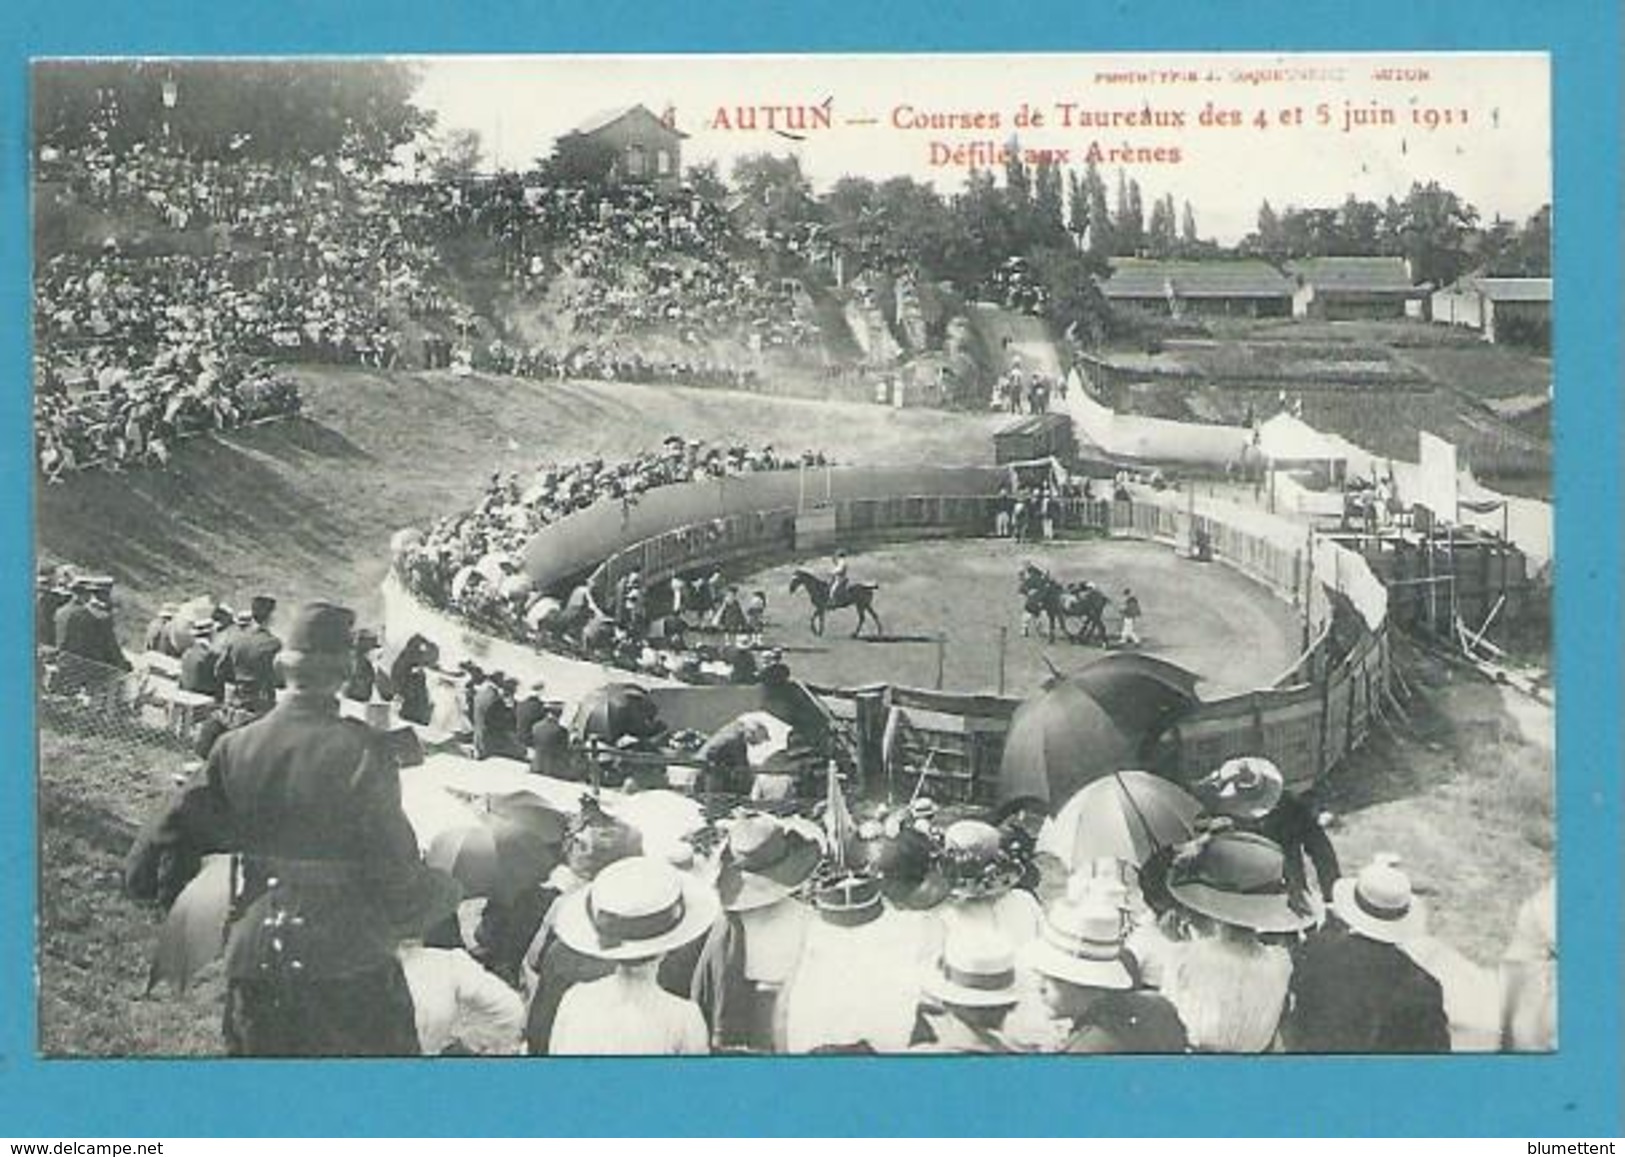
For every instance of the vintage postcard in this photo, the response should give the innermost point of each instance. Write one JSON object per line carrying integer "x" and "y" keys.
{"x": 778, "y": 555}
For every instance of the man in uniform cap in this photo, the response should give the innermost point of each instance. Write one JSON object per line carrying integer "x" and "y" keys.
{"x": 365, "y": 677}
{"x": 200, "y": 664}
{"x": 495, "y": 732}
{"x": 84, "y": 627}
{"x": 248, "y": 662}
{"x": 327, "y": 877}
{"x": 157, "y": 635}
{"x": 50, "y": 596}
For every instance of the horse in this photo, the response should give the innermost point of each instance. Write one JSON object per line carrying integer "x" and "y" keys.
{"x": 1061, "y": 603}
{"x": 859, "y": 596}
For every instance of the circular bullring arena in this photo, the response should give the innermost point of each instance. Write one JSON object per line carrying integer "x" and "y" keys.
{"x": 1228, "y": 629}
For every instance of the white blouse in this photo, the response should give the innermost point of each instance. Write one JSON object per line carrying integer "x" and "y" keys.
{"x": 456, "y": 1001}
{"x": 627, "y": 1014}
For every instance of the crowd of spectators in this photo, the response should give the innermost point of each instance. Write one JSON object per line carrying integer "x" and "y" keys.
{"x": 470, "y": 564}
{"x": 634, "y": 259}
{"x": 226, "y": 267}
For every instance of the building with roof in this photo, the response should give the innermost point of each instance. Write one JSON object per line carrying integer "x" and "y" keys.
{"x": 647, "y": 147}
{"x": 1346, "y": 288}
{"x": 1225, "y": 288}
{"x": 1517, "y": 309}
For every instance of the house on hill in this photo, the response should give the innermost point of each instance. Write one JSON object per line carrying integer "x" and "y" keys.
{"x": 1502, "y": 309}
{"x": 646, "y": 147}
{"x": 1347, "y": 288}
{"x": 1223, "y": 288}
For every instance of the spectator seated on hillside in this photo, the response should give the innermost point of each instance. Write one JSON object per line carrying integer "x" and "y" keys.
{"x": 469, "y": 564}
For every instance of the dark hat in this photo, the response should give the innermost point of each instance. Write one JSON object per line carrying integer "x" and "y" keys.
{"x": 909, "y": 873}
{"x": 849, "y": 901}
{"x": 1237, "y": 878}
{"x": 322, "y": 628}
{"x": 261, "y": 605}
{"x": 764, "y": 859}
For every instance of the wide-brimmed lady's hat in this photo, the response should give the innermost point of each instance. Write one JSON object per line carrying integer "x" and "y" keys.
{"x": 764, "y": 860}
{"x": 1236, "y": 878}
{"x": 977, "y": 969}
{"x": 1379, "y": 904}
{"x": 977, "y": 860}
{"x": 1081, "y": 942}
{"x": 1247, "y": 788}
{"x": 636, "y": 909}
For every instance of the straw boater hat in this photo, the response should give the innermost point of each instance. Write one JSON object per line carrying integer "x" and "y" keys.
{"x": 1247, "y": 788}
{"x": 1081, "y": 943}
{"x": 977, "y": 969}
{"x": 763, "y": 861}
{"x": 636, "y": 909}
{"x": 1236, "y": 878}
{"x": 1379, "y": 904}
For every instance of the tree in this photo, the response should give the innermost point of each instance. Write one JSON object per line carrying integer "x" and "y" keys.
{"x": 275, "y": 110}
{"x": 455, "y": 155}
{"x": 1359, "y": 228}
{"x": 579, "y": 160}
{"x": 1077, "y": 207}
{"x": 1101, "y": 243}
{"x": 1050, "y": 223}
{"x": 1161, "y": 232}
{"x": 1129, "y": 228}
{"x": 706, "y": 182}
{"x": 1434, "y": 227}
{"x": 1268, "y": 241}
{"x": 1187, "y": 227}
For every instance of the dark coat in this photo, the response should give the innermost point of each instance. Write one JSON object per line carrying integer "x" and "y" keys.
{"x": 527, "y": 713}
{"x": 1293, "y": 826}
{"x": 88, "y": 633}
{"x": 311, "y": 801}
{"x": 1350, "y": 994}
{"x": 494, "y": 732}
{"x": 249, "y": 662}
{"x": 411, "y": 683}
{"x": 200, "y": 669}
{"x": 550, "y": 749}
{"x": 1129, "y": 1022}
{"x": 365, "y": 678}
{"x": 157, "y": 638}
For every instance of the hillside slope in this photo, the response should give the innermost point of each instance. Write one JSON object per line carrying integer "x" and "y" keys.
{"x": 305, "y": 509}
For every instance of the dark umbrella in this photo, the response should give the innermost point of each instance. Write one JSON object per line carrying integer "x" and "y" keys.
{"x": 194, "y": 932}
{"x": 615, "y": 710}
{"x": 1081, "y": 728}
{"x": 496, "y": 857}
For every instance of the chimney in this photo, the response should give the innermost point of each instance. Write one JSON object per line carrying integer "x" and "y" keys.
{"x": 669, "y": 116}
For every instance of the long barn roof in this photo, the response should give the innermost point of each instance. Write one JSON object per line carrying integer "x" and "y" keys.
{"x": 1138, "y": 278}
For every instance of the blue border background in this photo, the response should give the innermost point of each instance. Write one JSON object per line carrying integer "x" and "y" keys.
{"x": 1575, "y": 1093}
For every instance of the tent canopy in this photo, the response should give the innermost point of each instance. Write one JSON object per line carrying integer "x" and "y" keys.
{"x": 1285, "y": 438}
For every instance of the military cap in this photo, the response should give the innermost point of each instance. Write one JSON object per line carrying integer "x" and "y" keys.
{"x": 322, "y": 628}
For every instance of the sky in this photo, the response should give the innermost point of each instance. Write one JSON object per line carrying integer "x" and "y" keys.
{"x": 1477, "y": 123}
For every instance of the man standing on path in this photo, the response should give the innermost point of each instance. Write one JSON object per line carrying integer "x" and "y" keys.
{"x": 326, "y": 875}
{"x": 1131, "y": 619}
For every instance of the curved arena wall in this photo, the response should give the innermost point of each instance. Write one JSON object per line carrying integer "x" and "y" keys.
{"x": 1307, "y": 720}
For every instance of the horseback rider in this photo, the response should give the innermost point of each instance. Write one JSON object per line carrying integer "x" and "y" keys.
{"x": 837, "y": 579}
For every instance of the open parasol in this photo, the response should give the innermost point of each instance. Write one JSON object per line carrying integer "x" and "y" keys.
{"x": 194, "y": 932}
{"x": 493, "y": 857}
{"x": 1128, "y": 815}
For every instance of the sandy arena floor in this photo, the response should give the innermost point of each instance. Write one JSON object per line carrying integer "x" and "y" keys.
{"x": 1207, "y": 618}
